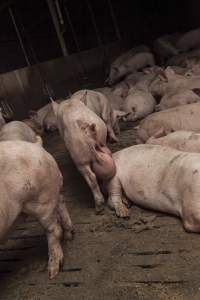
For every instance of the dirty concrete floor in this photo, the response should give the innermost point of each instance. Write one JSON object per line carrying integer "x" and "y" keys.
{"x": 147, "y": 257}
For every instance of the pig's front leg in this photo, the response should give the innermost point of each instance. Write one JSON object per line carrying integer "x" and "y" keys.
{"x": 91, "y": 180}
{"x": 116, "y": 199}
{"x": 112, "y": 134}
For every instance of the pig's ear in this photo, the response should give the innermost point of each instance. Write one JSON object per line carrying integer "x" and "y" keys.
{"x": 93, "y": 127}
{"x": 161, "y": 132}
{"x": 84, "y": 98}
{"x": 162, "y": 75}
{"x": 170, "y": 74}
{"x": 55, "y": 106}
{"x": 83, "y": 125}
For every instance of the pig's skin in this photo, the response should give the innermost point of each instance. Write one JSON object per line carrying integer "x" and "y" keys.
{"x": 26, "y": 188}
{"x": 181, "y": 97}
{"x": 158, "y": 178}
{"x": 184, "y": 117}
{"x": 187, "y": 141}
{"x": 17, "y": 130}
{"x": 75, "y": 122}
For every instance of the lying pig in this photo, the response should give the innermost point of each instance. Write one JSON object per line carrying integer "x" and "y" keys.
{"x": 158, "y": 178}
{"x": 184, "y": 117}
{"x": 17, "y": 130}
{"x": 26, "y": 188}
{"x": 100, "y": 105}
{"x": 187, "y": 141}
{"x": 134, "y": 63}
{"x": 181, "y": 97}
{"x": 168, "y": 82}
{"x": 180, "y": 59}
{"x": 34, "y": 125}
{"x": 164, "y": 47}
{"x": 139, "y": 103}
{"x": 189, "y": 40}
{"x": 84, "y": 134}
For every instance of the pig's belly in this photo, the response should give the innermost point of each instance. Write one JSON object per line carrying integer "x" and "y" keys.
{"x": 145, "y": 192}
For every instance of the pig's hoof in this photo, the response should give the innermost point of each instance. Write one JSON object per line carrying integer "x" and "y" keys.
{"x": 54, "y": 265}
{"x": 99, "y": 208}
{"x": 122, "y": 211}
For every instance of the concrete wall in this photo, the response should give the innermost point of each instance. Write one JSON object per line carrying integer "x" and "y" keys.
{"x": 24, "y": 88}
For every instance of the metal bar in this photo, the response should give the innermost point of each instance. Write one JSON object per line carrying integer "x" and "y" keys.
{"x": 94, "y": 22}
{"x": 59, "y": 12}
{"x": 117, "y": 31}
{"x": 19, "y": 36}
{"x": 57, "y": 27}
{"x": 75, "y": 40}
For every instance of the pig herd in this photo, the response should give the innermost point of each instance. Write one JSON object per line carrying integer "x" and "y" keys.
{"x": 160, "y": 89}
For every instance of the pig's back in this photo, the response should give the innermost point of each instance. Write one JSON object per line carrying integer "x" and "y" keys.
{"x": 24, "y": 164}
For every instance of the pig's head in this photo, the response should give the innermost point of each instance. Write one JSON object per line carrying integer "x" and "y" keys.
{"x": 121, "y": 89}
{"x": 102, "y": 162}
{"x": 114, "y": 76}
{"x": 33, "y": 124}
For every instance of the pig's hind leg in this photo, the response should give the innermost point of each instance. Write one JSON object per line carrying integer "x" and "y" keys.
{"x": 116, "y": 199}
{"x": 65, "y": 219}
{"x": 46, "y": 213}
{"x": 91, "y": 180}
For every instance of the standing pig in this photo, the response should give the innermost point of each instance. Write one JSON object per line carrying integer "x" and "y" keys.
{"x": 84, "y": 134}
{"x": 100, "y": 105}
{"x": 31, "y": 183}
{"x": 181, "y": 97}
{"x": 187, "y": 141}
{"x": 17, "y": 130}
{"x": 134, "y": 63}
{"x": 158, "y": 178}
{"x": 184, "y": 117}
{"x": 139, "y": 103}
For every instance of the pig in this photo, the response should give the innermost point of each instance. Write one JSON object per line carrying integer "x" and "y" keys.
{"x": 181, "y": 97}
{"x": 34, "y": 125}
{"x": 17, "y": 130}
{"x": 158, "y": 178}
{"x": 187, "y": 141}
{"x": 189, "y": 40}
{"x": 100, "y": 105}
{"x": 169, "y": 82}
{"x": 134, "y": 63}
{"x": 184, "y": 117}
{"x": 84, "y": 134}
{"x": 139, "y": 103}
{"x": 26, "y": 188}
{"x": 181, "y": 58}
{"x": 45, "y": 117}
{"x": 164, "y": 47}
